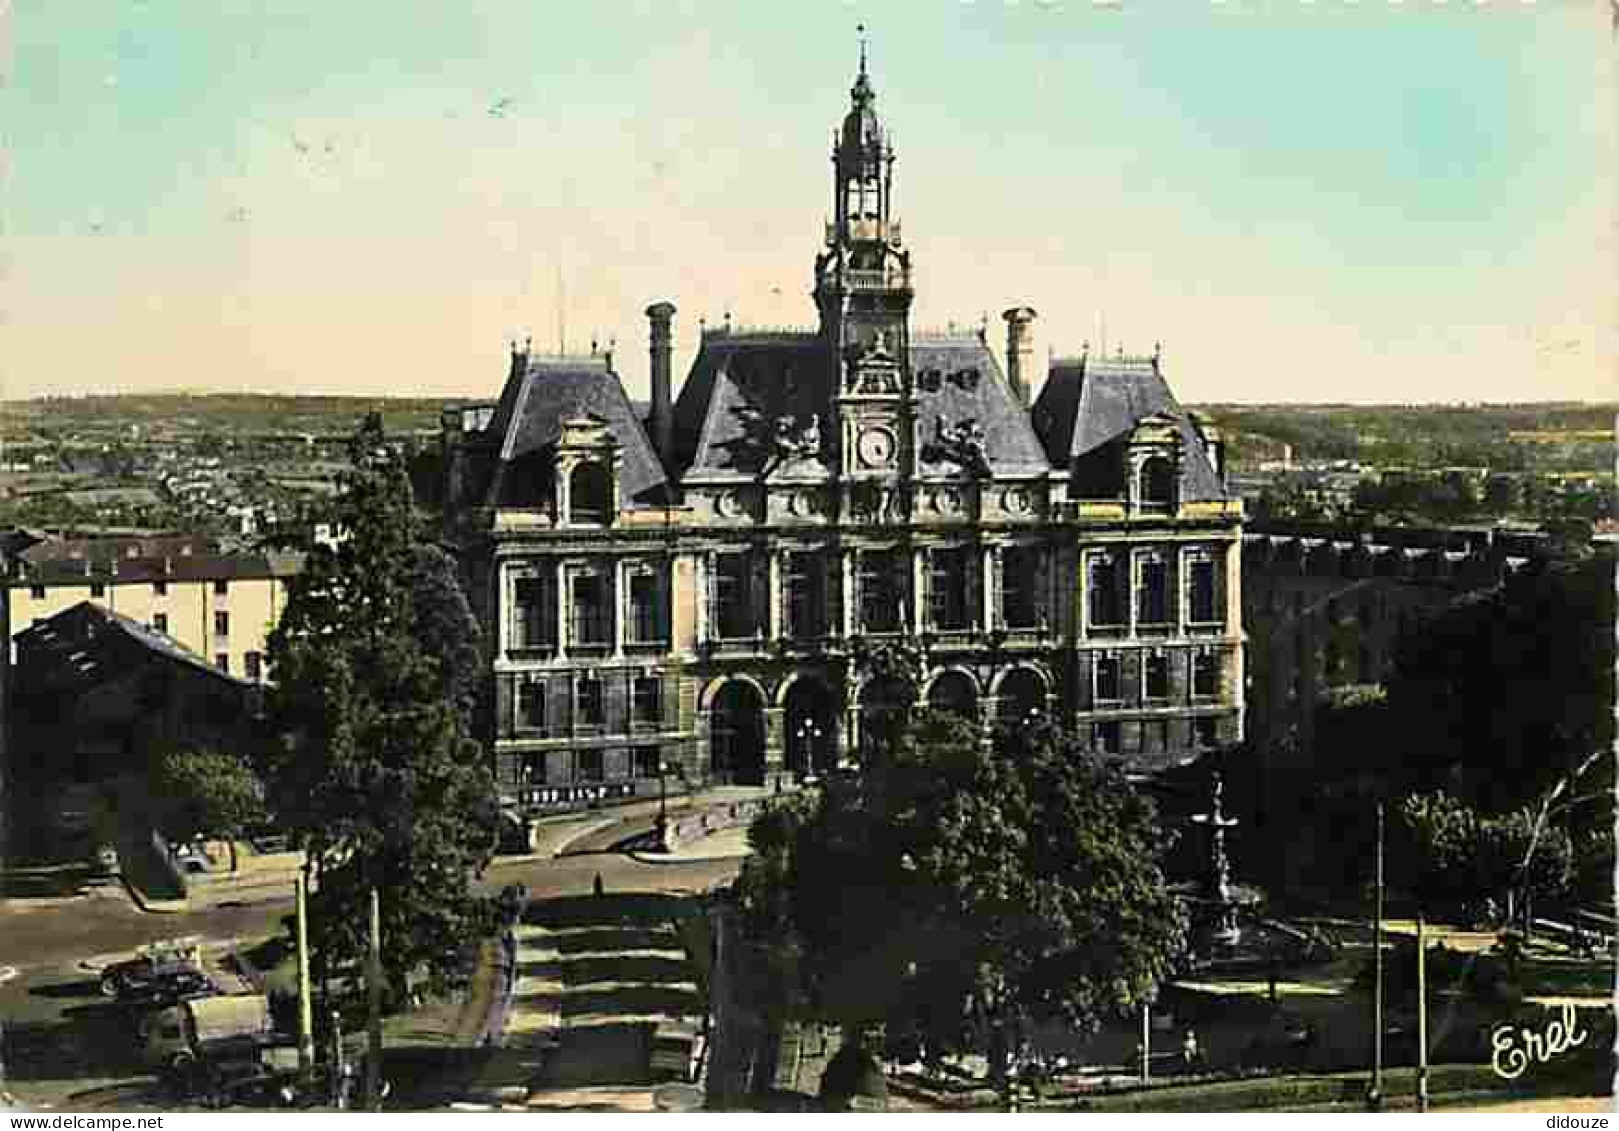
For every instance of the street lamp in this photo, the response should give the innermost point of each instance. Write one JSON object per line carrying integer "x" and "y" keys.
{"x": 807, "y": 736}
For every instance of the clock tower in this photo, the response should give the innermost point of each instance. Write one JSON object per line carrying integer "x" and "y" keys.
{"x": 863, "y": 291}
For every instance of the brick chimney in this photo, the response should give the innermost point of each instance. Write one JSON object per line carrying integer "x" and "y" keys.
{"x": 1019, "y": 351}
{"x": 661, "y": 315}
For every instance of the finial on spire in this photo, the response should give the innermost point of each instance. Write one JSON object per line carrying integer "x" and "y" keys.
{"x": 1157, "y": 350}
{"x": 860, "y": 30}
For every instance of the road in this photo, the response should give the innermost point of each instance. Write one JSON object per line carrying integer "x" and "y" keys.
{"x": 64, "y": 1046}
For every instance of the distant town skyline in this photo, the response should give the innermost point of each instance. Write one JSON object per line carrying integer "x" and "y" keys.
{"x": 1327, "y": 202}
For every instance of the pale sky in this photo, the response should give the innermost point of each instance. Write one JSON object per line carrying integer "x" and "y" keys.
{"x": 1326, "y": 201}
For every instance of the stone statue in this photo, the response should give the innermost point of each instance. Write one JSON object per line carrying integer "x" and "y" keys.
{"x": 963, "y": 443}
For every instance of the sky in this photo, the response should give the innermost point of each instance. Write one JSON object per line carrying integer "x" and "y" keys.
{"x": 1328, "y": 201}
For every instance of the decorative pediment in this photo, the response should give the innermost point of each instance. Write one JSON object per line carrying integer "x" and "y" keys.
{"x": 586, "y": 430}
{"x": 1158, "y": 429}
{"x": 875, "y": 370}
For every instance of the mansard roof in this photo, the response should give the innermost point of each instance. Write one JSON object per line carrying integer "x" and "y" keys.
{"x": 1088, "y": 403}
{"x": 741, "y": 384}
{"x": 542, "y": 392}
{"x": 956, "y": 396}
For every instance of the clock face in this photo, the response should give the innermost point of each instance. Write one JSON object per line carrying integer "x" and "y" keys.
{"x": 876, "y": 447}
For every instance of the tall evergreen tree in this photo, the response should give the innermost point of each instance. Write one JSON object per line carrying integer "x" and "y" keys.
{"x": 372, "y": 768}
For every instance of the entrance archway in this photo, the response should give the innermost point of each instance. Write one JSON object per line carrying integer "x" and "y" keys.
{"x": 737, "y": 734}
{"x": 811, "y": 719}
{"x": 955, "y": 693}
{"x": 1022, "y": 697}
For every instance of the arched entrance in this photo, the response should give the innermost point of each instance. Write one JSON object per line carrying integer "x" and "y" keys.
{"x": 1022, "y": 697}
{"x": 736, "y": 731}
{"x": 955, "y": 693}
{"x": 811, "y": 719}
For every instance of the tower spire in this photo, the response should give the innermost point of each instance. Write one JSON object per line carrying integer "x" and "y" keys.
{"x": 860, "y": 29}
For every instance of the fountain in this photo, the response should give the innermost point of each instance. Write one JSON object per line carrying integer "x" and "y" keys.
{"x": 1220, "y": 926}
{"x": 1230, "y": 932}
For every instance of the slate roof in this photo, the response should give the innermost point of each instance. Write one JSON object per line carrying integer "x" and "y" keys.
{"x": 740, "y": 385}
{"x": 88, "y": 644}
{"x": 1009, "y": 440}
{"x": 142, "y": 570}
{"x": 542, "y": 392}
{"x": 1090, "y": 402}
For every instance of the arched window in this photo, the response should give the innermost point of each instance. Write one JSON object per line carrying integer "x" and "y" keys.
{"x": 590, "y": 494}
{"x": 1157, "y": 482}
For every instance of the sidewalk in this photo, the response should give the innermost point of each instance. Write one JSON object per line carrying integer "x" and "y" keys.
{"x": 727, "y": 844}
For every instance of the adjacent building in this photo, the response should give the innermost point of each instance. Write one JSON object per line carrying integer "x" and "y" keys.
{"x": 215, "y": 604}
{"x": 699, "y": 592}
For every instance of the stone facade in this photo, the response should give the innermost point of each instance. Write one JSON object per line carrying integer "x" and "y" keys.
{"x": 694, "y": 593}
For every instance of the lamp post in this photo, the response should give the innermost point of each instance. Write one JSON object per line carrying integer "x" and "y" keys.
{"x": 662, "y": 825}
{"x": 807, "y": 735}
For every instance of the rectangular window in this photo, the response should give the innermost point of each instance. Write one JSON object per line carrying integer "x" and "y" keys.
{"x": 1206, "y": 731}
{"x": 590, "y": 702}
{"x": 531, "y": 613}
{"x": 1155, "y": 677}
{"x": 221, "y": 588}
{"x": 1104, "y": 592}
{"x": 646, "y": 761}
{"x": 1202, "y": 591}
{"x": 1206, "y": 675}
{"x": 949, "y": 604}
{"x": 590, "y": 765}
{"x": 221, "y": 624}
{"x": 37, "y": 592}
{"x": 222, "y": 661}
{"x": 531, "y": 706}
{"x": 160, "y": 621}
{"x": 733, "y": 596}
{"x": 160, "y": 588}
{"x": 806, "y": 595}
{"x": 1154, "y": 604}
{"x": 1107, "y": 679}
{"x": 882, "y": 590}
{"x": 1105, "y": 737}
{"x": 253, "y": 664}
{"x": 592, "y": 618}
{"x": 97, "y": 589}
{"x": 646, "y": 610}
{"x": 647, "y": 699}
{"x": 1021, "y": 571}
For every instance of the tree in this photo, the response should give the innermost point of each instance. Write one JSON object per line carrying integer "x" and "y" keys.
{"x": 964, "y": 892}
{"x": 206, "y": 792}
{"x": 372, "y": 769}
{"x": 1507, "y": 691}
{"x": 1458, "y": 858}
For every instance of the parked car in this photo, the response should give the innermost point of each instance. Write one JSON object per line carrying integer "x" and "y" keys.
{"x": 170, "y": 989}
{"x": 173, "y": 964}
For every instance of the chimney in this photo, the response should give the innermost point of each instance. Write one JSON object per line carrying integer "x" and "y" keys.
{"x": 1019, "y": 351}
{"x": 661, "y": 315}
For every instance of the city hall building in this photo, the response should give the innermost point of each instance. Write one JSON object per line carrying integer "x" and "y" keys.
{"x": 697, "y": 593}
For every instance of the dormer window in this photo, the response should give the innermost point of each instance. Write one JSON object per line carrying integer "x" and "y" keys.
{"x": 1157, "y": 482}
{"x": 590, "y": 495}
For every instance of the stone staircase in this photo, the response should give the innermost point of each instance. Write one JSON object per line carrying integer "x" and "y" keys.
{"x": 618, "y": 994}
